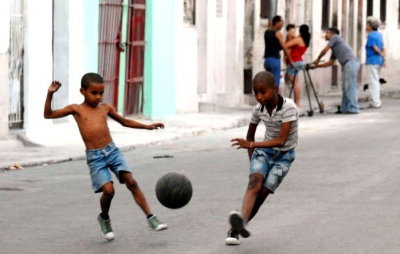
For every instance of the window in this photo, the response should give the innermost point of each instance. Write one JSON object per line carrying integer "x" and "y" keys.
{"x": 325, "y": 14}
{"x": 335, "y": 7}
{"x": 370, "y": 7}
{"x": 189, "y": 11}
{"x": 268, "y": 9}
{"x": 383, "y": 11}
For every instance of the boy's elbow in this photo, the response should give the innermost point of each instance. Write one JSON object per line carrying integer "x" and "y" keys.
{"x": 48, "y": 116}
{"x": 281, "y": 142}
{"x": 124, "y": 123}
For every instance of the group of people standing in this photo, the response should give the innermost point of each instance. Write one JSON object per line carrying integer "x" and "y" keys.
{"x": 294, "y": 48}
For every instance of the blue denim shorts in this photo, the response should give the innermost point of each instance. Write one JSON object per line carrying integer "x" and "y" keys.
{"x": 297, "y": 66}
{"x": 273, "y": 165}
{"x": 101, "y": 160}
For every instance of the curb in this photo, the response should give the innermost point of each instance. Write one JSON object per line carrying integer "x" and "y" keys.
{"x": 235, "y": 124}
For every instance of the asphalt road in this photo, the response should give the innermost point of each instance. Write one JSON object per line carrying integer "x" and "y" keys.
{"x": 342, "y": 195}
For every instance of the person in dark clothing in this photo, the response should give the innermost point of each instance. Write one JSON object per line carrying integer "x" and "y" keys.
{"x": 274, "y": 43}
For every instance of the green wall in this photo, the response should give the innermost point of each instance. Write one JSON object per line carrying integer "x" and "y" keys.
{"x": 159, "y": 67}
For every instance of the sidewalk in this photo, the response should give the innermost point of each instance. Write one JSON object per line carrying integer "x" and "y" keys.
{"x": 66, "y": 144}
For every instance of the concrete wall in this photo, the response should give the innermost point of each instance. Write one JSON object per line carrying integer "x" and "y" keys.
{"x": 391, "y": 37}
{"x": 322, "y": 78}
{"x": 248, "y": 36}
{"x": 61, "y": 50}
{"x": 77, "y": 55}
{"x": 260, "y": 26}
{"x": 234, "y": 66}
{"x": 186, "y": 50}
{"x": 38, "y": 64}
{"x": 69, "y": 58}
{"x": 221, "y": 44}
{"x": 201, "y": 27}
{"x": 4, "y": 76}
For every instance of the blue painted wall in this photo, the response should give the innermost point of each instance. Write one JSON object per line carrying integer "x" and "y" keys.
{"x": 91, "y": 35}
{"x": 159, "y": 68}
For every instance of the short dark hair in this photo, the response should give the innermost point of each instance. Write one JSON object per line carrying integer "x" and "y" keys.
{"x": 264, "y": 77}
{"x": 334, "y": 30}
{"x": 290, "y": 26}
{"x": 90, "y": 78}
{"x": 276, "y": 19}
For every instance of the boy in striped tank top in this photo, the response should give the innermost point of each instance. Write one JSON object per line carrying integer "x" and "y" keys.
{"x": 270, "y": 159}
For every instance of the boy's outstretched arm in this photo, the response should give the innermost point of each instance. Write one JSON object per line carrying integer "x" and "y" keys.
{"x": 131, "y": 123}
{"x": 276, "y": 142}
{"x": 48, "y": 112}
{"x": 251, "y": 132}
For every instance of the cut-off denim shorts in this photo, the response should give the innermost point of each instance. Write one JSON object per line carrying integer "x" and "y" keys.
{"x": 101, "y": 160}
{"x": 272, "y": 164}
{"x": 297, "y": 68}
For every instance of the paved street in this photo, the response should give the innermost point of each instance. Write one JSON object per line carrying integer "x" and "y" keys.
{"x": 341, "y": 196}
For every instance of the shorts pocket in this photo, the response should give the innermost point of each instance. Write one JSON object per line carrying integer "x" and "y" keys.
{"x": 290, "y": 155}
{"x": 278, "y": 172}
{"x": 90, "y": 157}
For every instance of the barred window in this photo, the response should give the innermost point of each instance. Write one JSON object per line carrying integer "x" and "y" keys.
{"x": 325, "y": 14}
{"x": 370, "y": 8}
{"x": 189, "y": 11}
{"x": 383, "y": 11}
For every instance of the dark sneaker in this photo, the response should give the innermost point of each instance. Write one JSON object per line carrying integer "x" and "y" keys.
{"x": 106, "y": 229}
{"x": 238, "y": 224}
{"x": 155, "y": 224}
{"x": 232, "y": 238}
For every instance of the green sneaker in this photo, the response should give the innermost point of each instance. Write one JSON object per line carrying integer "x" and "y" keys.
{"x": 106, "y": 229}
{"x": 155, "y": 224}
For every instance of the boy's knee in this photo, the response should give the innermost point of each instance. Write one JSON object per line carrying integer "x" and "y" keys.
{"x": 255, "y": 182}
{"x": 131, "y": 184}
{"x": 108, "y": 190}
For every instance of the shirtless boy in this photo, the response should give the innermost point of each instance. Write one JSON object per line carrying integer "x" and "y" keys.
{"x": 101, "y": 153}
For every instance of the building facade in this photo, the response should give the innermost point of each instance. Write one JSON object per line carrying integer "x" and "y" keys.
{"x": 173, "y": 57}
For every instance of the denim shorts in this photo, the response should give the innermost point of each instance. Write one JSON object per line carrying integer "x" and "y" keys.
{"x": 297, "y": 67}
{"x": 101, "y": 160}
{"x": 272, "y": 164}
